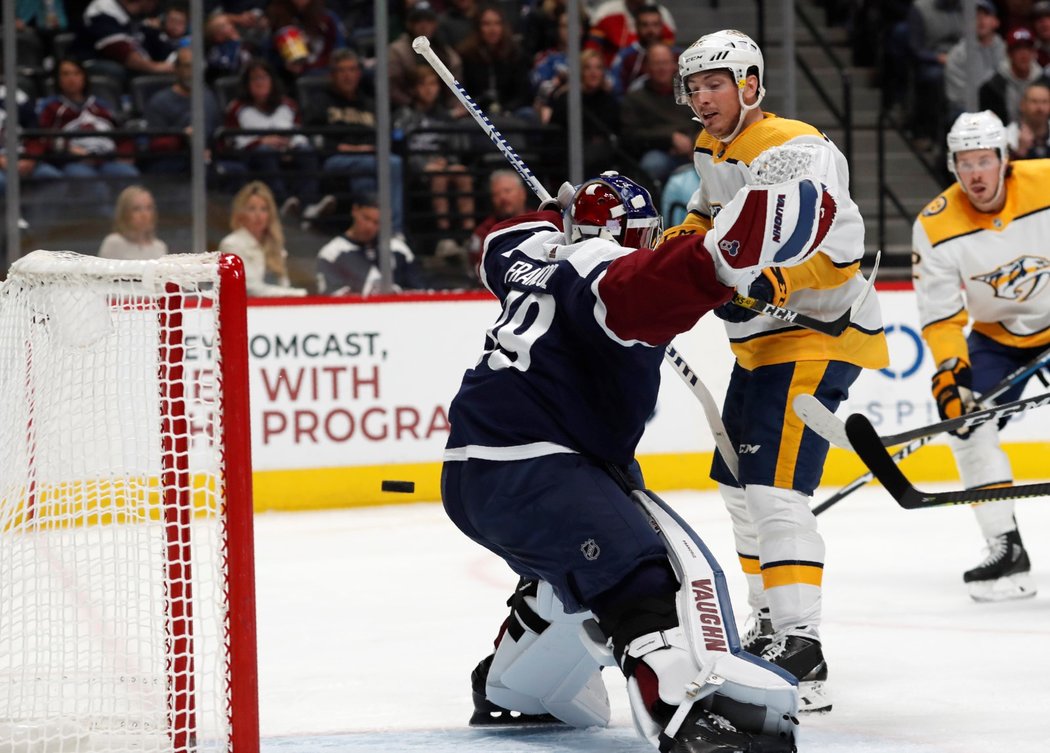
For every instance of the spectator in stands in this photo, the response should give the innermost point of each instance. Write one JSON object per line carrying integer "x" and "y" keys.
{"x": 1029, "y": 136}
{"x": 421, "y": 22}
{"x": 629, "y": 62}
{"x": 85, "y": 158}
{"x": 1041, "y": 30}
{"x": 258, "y": 239}
{"x": 613, "y": 27}
{"x": 601, "y": 114}
{"x": 170, "y": 109}
{"x": 287, "y": 161}
{"x": 134, "y": 233}
{"x": 991, "y": 51}
{"x": 225, "y": 52}
{"x": 550, "y": 68}
{"x": 435, "y": 155}
{"x": 655, "y": 130}
{"x": 457, "y": 22}
{"x": 349, "y": 263}
{"x": 495, "y": 72}
{"x": 47, "y": 17}
{"x": 113, "y": 34}
{"x": 934, "y": 26}
{"x": 351, "y": 153}
{"x": 305, "y": 34}
{"x": 1002, "y": 92}
{"x": 508, "y": 198}
{"x": 541, "y": 26}
{"x": 166, "y": 33}
{"x": 40, "y": 181}
{"x": 248, "y": 16}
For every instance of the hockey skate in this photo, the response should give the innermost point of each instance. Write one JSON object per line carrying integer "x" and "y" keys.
{"x": 759, "y": 633}
{"x": 1004, "y": 574}
{"x": 704, "y": 732}
{"x": 488, "y": 714}
{"x": 797, "y": 651}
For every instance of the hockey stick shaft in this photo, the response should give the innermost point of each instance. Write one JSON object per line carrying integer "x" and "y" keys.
{"x": 986, "y": 400}
{"x": 868, "y": 445}
{"x": 725, "y": 446}
{"x": 970, "y": 420}
{"x": 833, "y": 328}
{"x": 422, "y": 46}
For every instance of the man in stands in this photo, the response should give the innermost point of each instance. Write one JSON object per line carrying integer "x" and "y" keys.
{"x": 352, "y": 153}
{"x": 509, "y": 197}
{"x": 112, "y": 33}
{"x": 614, "y": 27}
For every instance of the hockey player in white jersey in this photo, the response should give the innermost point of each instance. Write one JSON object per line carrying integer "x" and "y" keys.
{"x": 980, "y": 257}
{"x": 539, "y": 466}
{"x": 721, "y": 78}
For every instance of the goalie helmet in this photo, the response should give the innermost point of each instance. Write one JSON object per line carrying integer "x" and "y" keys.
{"x": 730, "y": 50}
{"x": 615, "y": 208}
{"x": 978, "y": 130}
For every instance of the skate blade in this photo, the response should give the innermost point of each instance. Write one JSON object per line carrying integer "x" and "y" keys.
{"x": 513, "y": 720}
{"x": 1017, "y": 586}
{"x": 813, "y": 698}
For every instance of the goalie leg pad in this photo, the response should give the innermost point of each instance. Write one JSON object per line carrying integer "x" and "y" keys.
{"x": 542, "y": 664}
{"x": 691, "y": 652}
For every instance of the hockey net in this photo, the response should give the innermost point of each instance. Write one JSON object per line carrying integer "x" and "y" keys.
{"x": 126, "y": 567}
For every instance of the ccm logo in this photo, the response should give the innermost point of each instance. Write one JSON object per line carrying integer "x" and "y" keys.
{"x": 749, "y": 449}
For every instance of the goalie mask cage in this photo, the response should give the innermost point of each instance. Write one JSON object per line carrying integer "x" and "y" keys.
{"x": 127, "y": 609}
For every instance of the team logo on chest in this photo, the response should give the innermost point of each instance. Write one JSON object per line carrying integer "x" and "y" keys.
{"x": 1018, "y": 280}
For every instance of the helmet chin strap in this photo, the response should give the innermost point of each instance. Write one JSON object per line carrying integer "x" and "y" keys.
{"x": 744, "y": 110}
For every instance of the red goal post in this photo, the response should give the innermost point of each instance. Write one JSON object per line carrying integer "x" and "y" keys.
{"x": 127, "y": 587}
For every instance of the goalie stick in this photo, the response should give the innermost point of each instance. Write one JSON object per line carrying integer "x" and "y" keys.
{"x": 422, "y": 46}
{"x": 824, "y": 422}
{"x": 868, "y": 445}
{"x": 986, "y": 400}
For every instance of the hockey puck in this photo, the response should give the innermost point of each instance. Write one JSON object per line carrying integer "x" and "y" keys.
{"x": 405, "y": 487}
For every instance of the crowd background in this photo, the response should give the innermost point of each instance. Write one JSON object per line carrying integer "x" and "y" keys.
{"x": 103, "y": 104}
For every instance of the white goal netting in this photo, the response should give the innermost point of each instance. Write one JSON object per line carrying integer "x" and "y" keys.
{"x": 114, "y": 617}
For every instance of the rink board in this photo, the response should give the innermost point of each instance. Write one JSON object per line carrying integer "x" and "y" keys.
{"x": 348, "y": 392}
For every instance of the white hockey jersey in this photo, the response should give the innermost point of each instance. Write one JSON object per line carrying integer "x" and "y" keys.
{"x": 823, "y": 287}
{"x": 991, "y": 267}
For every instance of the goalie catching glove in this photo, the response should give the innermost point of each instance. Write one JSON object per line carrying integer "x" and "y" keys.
{"x": 770, "y": 287}
{"x": 952, "y": 387}
{"x": 763, "y": 226}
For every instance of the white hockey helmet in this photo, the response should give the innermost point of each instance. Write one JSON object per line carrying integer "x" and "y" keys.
{"x": 730, "y": 50}
{"x": 978, "y": 130}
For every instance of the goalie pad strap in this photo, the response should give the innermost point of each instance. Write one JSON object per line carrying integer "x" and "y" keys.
{"x": 526, "y": 616}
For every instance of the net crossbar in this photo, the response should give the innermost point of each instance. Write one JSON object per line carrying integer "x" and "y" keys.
{"x": 124, "y": 532}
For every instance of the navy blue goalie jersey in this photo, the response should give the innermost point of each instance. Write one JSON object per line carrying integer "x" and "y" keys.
{"x": 572, "y": 363}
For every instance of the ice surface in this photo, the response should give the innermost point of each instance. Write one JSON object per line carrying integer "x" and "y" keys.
{"x": 371, "y": 620}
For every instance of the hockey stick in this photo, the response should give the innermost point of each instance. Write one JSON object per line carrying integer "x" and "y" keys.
{"x": 824, "y": 422}
{"x": 422, "y": 46}
{"x": 1019, "y": 374}
{"x": 867, "y": 443}
{"x": 834, "y": 328}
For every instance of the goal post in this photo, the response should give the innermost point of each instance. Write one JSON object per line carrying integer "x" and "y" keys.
{"x": 127, "y": 587}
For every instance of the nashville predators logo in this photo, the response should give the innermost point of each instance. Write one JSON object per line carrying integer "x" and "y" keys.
{"x": 1018, "y": 280}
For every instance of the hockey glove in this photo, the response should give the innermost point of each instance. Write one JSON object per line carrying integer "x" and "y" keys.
{"x": 952, "y": 387}
{"x": 769, "y": 287}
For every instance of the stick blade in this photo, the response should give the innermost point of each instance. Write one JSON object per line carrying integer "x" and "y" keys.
{"x": 817, "y": 417}
{"x": 868, "y": 445}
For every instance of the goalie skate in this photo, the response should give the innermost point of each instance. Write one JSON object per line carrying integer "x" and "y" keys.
{"x": 1004, "y": 574}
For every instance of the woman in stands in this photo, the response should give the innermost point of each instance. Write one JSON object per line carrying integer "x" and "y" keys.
{"x": 134, "y": 228}
{"x": 85, "y": 158}
{"x": 258, "y": 239}
{"x": 287, "y": 163}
